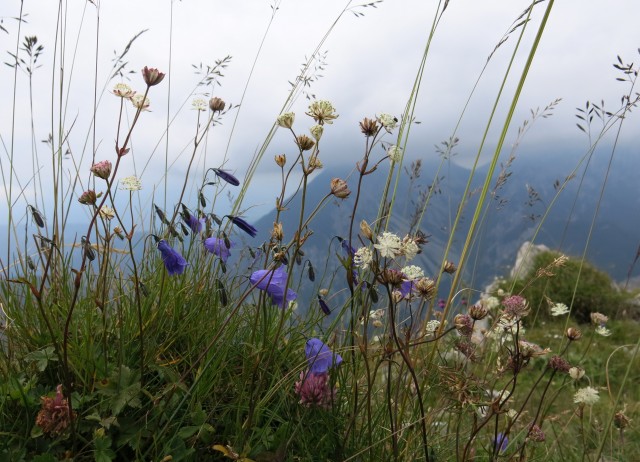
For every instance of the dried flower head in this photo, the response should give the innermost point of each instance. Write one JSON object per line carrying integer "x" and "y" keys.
{"x": 102, "y": 169}
{"x": 322, "y": 112}
{"x": 217, "y": 104}
{"x": 277, "y": 233}
{"x": 365, "y": 229}
{"x": 369, "y": 127}
{"x": 152, "y": 76}
{"x": 449, "y": 267}
{"x": 620, "y": 420}
{"x": 123, "y": 90}
{"x": 314, "y": 163}
{"x": 286, "y": 120}
{"x": 531, "y": 350}
{"x": 464, "y": 324}
{"x": 130, "y": 183}
{"x": 425, "y": 287}
{"x": 478, "y": 312}
{"x": 54, "y": 416}
{"x": 88, "y": 197}
{"x": 304, "y": 142}
{"x": 339, "y": 188}
{"x": 586, "y": 396}
{"x": 558, "y": 363}
{"x": 573, "y": 333}
{"x": 392, "y": 277}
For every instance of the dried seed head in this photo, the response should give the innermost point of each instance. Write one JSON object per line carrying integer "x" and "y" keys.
{"x": 216, "y": 104}
{"x": 449, "y": 267}
{"x": 464, "y": 324}
{"x": 369, "y": 127}
{"x": 102, "y": 169}
{"x": 277, "y": 232}
{"x": 286, "y": 120}
{"x": 339, "y": 188}
{"x": 88, "y": 197}
{"x": 536, "y": 434}
{"x": 425, "y": 287}
{"x": 152, "y": 76}
{"x": 304, "y": 142}
{"x": 392, "y": 277}
{"x": 478, "y": 312}
{"x": 557, "y": 363}
{"x": 620, "y": 420}
{"x": 573, "y": 333}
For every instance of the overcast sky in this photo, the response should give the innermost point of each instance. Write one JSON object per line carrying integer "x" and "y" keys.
{"x": 371, "y": 64}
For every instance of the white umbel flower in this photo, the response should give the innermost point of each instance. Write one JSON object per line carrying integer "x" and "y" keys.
{"x": 587, "y": 395}
{"x": 389, "y": 245}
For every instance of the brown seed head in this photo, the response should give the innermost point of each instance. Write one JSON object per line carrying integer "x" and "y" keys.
{"x": 304, "y": 142}
{"x": 369, "y": 127}
{"x": 557, "y": 363}
{"x": 339, "y": 188}
{"x": 425, "y": 287}
{"x": 152, "y": 76}
{"x": 365, "y": 229}
{"x": 216, "y": 104}
{"x": 573, "y": 333}
{"x": 277, "y": 232}
{"x": 449, "y": 267}
{"x": 88, "y": 197}
{"x": 478, "y": 312}
{"x": 281, "y": 160}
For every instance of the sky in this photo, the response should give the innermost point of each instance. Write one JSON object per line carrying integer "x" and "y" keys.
{"x": 369, "y": 64}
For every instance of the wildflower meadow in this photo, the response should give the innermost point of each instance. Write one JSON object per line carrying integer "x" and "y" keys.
{"x": 148, "y": 313}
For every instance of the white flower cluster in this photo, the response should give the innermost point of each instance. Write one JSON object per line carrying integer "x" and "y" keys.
{"x": 395, "y": 153}
{"x": 431, "y": 327}
{"x": 199, "y": 104}
{"x": 559, "y": 309}
{"x": 587, "y": 395}
{"x": 390, "y": 246}
{"x": 412, "y": 272}
{"x": 363, "y": 257}
{"x": 387, "y": 121}
{"x": 130, "y": 183}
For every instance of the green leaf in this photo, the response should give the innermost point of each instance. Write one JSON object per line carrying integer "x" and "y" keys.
{"x": 103, "y": 451}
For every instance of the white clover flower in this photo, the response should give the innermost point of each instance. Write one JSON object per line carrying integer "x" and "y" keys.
{"x": 123, "y": 90}
{"x": 559, "y": 309}
{"x": 602, "y": 330}
{"x": 389, "y": 245}
{"x": 431, "y": 327}
{"x": 140, "y": 102}
{"x": 587, "y": 395}
{"x": 395, "y": 153}
{"x": 412, "y": 272}
{"x": 107, "y": 212}
{"x": 363, "y": 257}
{"x": 130, "y": 183}
{"x": 388, "y": 121}
{"x": 576, "y": 372}
{"x": 409, "y": 248}
{"x": 199, "y": 104}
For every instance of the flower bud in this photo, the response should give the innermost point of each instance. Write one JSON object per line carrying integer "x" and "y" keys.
{"x": 576, "y": 372}
{"x": 277, "y": 232}
{"x": 216, "y": 104}
{"x": 102, "y": 169}
{"x": 152, "y": 76}
{"x": 464, "y": 324}
{"x": 88, "y": 197}
{"x": 365, "y": 229}
{"x": 286, "y": 120}
{"x": 316, "y": 131}
{"x": 339, "y": 188}
{"x": 281, "y": 160}
{"x": 478, "y": 312}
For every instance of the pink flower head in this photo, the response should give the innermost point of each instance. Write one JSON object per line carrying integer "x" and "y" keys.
{"x": 102, "y": 169}
{"x": 314, "y": 389}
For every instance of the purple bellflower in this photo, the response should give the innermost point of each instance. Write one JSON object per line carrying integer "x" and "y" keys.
{"x": 226, "y": 176}
{"x": 195, "y": 224}
{"x": 173, "y": 261}
{"x": 217, "y": 246}
{"x": 320, "y": 357}
{"x": 243, "y": 225}
{"x": 274, "y": 283}
{"x": 501, "y": 442}
{"x": 323, "y": 306}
